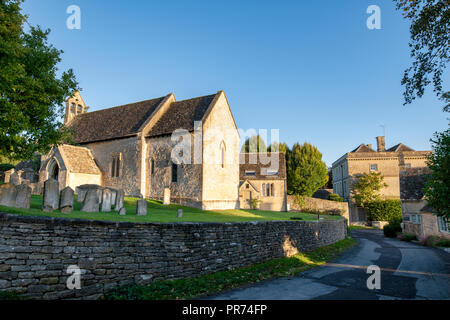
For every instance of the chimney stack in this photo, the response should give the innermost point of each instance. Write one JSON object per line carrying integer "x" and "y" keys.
{"x": 369, "y": 145}
{"x": 381, "y": 144}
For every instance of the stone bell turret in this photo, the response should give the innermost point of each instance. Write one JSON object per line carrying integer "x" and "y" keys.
{"x": 74, "y": 106}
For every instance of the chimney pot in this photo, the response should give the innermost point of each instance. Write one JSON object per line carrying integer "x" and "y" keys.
{"x": 381, "y": 144}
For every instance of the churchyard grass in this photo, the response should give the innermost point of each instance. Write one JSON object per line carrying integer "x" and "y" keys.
{"x": 204, "y": 285}
{"x": 157, "y": 212}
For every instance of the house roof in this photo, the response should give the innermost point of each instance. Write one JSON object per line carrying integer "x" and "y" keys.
{"x": 399, "y": 148}
{"x": 112, "y": 123}
{"x": 181, "y": 115}
{"x": 261, "y": 168}
{"x": 362, "y": 148}
{"x": 78, "y": 159}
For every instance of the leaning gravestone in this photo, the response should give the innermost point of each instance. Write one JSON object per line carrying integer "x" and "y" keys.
{"x": 166, "y": 196}
{"x": 119, "y": 200}
{"x": 106, "y": 200}
{"x": 141, "y": 207}
{"x": 23, "y": 196}
{"x": 90, "y": 203}
{"x": 51, "y": 195}
{"x": 8, "y": 194}
{"x": 122, "y": 211}
{"x": 8, "y": 175}
{"x": 66, "y": 201}
{"x": 113, "y": 196}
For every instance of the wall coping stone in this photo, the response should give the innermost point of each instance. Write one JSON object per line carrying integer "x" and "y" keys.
{"x": 11, "y": 217}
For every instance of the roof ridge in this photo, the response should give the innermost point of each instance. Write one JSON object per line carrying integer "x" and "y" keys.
{"x": 121, "y": 106}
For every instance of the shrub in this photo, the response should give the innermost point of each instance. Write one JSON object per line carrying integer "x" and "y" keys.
{"x": 255, "y": 203}
{"x": 443, "y": 243}
{"x": 392, "y": 229}
{"x": 335, "y": 197}
{"x": 408, "y": 237}
{"x": 435, "y": 241}
{"x": 385, "y": 210}
{"x": 6, "y": 166}
{"x": 10, "y": 296}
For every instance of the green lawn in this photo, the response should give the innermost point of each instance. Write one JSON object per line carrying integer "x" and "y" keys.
{"x": 157, "y": 212}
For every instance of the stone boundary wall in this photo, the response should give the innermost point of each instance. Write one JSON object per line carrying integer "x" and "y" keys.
{"x": 321, "y": 205}
{"x": 35, "y": 252}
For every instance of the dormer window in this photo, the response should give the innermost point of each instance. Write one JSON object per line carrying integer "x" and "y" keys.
{"x": 72, "y": 107}
{"x": 272, "y": 172}
{"x": 250, "y": 172}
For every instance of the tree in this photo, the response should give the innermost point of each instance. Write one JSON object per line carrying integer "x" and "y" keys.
{"x": 437, "y": 188}
{"x": 31, "y": 93}
{"x": 366, "y": 189}
{"x": 278, "y": 147}
{"x": 306, "y": 172}
{"x": 430, "y": 38}
{"x": 254, "y": 144}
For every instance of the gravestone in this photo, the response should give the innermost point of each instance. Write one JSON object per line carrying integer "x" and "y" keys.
{"x": 119, "y": 199}
{"x": 82, "y": 190}
{"x": 23, "y": 196}
{"x": 8, "y": 175}
{"x": 106, "y": 200}
{"x": 166, "y": 196}
{"x": 113, "y": 196}
{"x": 8, "y": 194}
{"x": 122, "y": 211}
{"x": 66, "y": 201}
{"x": 180, "y": 213}
{"x": 141, "y": 207}
{"x": 15, "y": 178}
{"x": 91, "y": 203}
{"x": 51, "y": 195}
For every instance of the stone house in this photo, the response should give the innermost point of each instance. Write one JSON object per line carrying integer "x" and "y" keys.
{"x": 263, "y": 178}
{"x": 132, "y": 147}
{"x": 418, "y": 217}
{"x": 363, "y": 159}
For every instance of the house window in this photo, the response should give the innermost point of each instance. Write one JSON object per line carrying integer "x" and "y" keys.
{"x": 247, "y": 186}
{"x": 174, "y": 172}
{"x": 373, "y": 167}
{"x": 250, "y": 172}
{"x": 263, "y": 189}
{"x": 272, "y": 190}
{"x": 80, "y": 108}
{"x": 72, "y": 107}
{"x": 268, "y": 190}
{"x": 115, "y": 166}
{"x": 416, "y": 218}
{"x": 444, "y": 225}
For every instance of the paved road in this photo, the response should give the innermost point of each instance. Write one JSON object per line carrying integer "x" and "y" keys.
{"x": 408, "y": 271}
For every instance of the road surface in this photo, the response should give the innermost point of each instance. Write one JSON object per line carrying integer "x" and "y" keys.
{"x": 408, "y": 271}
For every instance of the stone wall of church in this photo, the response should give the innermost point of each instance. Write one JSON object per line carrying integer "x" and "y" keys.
{"x": 220, "y": 182}
{"x": 188, "y": 189}
{"x": 129, "y": 151}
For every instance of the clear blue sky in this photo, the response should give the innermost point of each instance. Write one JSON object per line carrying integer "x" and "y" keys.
{"x": 309, "y": 68}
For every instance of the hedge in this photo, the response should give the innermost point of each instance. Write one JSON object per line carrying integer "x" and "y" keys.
{"x": 385, "y": 210}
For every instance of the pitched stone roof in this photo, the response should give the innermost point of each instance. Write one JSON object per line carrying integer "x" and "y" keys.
{"x": 399, "y": 148}
{"x": 78, "y": 159}
{"x": 412, "y": 181}
{"x": 181, "y": 115}
{"x": 112, "y": 123}
{"x": 260, "y": 168}
{"x": 363, "y": 148}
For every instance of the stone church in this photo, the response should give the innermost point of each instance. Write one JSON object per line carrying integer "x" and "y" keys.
{"x": 129, "y": 147}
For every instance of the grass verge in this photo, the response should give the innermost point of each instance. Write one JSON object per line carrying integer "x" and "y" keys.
{"x": 188, "y": 288}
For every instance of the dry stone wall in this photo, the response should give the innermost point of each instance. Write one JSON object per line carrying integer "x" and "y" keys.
{"x": 35, "y": 252}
